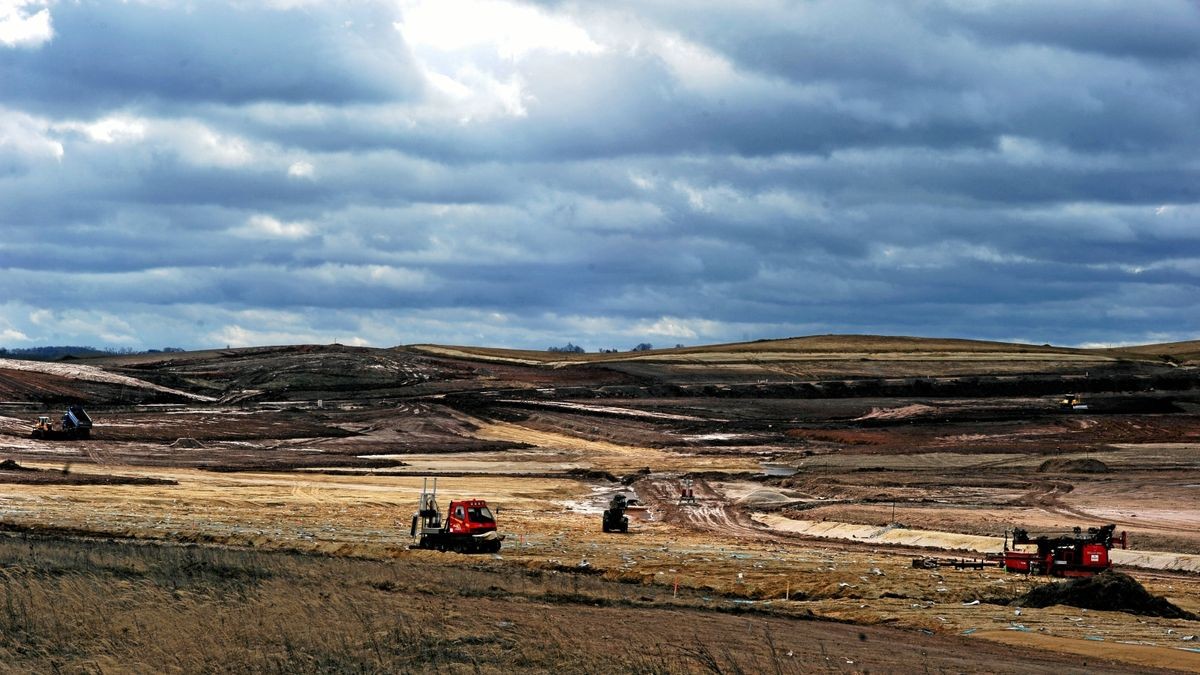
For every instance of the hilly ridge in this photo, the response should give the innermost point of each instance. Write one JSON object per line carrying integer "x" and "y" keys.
{"x": 826, "y": 365}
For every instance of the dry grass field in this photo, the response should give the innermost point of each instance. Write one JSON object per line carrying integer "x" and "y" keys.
{"x": 103, "y": 606}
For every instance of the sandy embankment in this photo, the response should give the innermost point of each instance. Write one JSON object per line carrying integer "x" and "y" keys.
{"x": 84, "y": 373}
{"x": 898, "y": 536}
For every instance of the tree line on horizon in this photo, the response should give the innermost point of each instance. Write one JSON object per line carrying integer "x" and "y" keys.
{"x": 55, "y": 353}
{"x": 576, "y": 349}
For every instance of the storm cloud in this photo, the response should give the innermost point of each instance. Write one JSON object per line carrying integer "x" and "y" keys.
{"x": 530, "y": 173}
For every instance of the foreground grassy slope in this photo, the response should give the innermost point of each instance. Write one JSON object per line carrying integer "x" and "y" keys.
{"x": 69, "y": 605}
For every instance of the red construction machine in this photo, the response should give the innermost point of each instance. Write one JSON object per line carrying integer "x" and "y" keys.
{"x": 469, "y": 526}
{"x": 1068, "y": 555}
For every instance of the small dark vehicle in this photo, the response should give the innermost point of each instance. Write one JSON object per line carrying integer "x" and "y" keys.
{"x": 615, "y": 519}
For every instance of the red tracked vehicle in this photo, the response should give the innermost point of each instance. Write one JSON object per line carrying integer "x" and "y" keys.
{"x": 469, "y": 527}
{"x": 1073, "y": 555}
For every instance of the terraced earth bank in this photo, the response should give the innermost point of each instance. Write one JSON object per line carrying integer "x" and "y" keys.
{"x": 820, "y": 466}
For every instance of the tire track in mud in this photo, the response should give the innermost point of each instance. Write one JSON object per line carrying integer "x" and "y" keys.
{"x": 1047, "y": 497}
{"x": 710, "y": 513}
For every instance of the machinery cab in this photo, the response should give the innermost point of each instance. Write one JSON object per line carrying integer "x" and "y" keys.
{"x": 471, "y": 517}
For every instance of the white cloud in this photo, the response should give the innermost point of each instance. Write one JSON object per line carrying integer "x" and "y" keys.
{"x": 108, "y": 130}
{"x": 513, "y": 30}
{"x": 695, "y": 196}
{"x": 301, "y": 169}
{"x": 669, "y": 327}
{"x": 941, "y": 255}
{"x": 370, "y": 275}
{"x": 261, "y": 226}
{"x": 22, "y": 27}
{"x": 71, "y": 327}
{"x": 11, "y": 335}
{"x": 642, "y": 182}
{"x": 473, "y": 95}
{"x": 194, "y": 141}
{"x": 236, "y": 335}
{"x": 206, "y": 146}
{"x": 672, "y": 327}
{"x": 27, "y": 136}
{"x": 457, "y": 44}
{"x": 695, "y": 66}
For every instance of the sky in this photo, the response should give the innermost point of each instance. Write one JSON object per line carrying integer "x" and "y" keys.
{"x": 527, "y": 174}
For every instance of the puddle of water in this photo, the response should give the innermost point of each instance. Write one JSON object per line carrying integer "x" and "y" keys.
{"x": 777, "y": 469}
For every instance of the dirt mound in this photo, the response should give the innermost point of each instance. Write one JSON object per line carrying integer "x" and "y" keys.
{"x": 11, "y": 465}
{"x": 1109, "y": 591}
{"x": 765, "y": 499}
{"x": 591, "y": 474}
{"x": 187, "y": 443}
{"x": 1073, "y": 466}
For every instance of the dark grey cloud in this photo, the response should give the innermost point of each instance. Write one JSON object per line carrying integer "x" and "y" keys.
{"x": 1159, "y": 29}
{"x": 175, "y": 174}
{"x": 113, "y": 55}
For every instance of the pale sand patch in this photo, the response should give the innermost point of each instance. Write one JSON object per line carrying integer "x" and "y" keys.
{"x": 607, "y": 455}
{"x": 881, "y": 535}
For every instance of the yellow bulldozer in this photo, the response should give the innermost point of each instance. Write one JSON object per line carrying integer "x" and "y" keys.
{"x": 1072, "y": 402}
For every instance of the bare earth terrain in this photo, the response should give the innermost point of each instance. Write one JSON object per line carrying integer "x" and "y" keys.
{"x": 821, "y": 467}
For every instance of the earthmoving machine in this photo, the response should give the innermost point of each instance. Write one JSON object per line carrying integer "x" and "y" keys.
{"x": 75, "y": 424}
{"x": 687, "y": 494}
{"x": 1070, "y": 555}
{"x": 615, "y": 519}
{"x": 469, "y": 526}
{"x": 1072, "y": 402}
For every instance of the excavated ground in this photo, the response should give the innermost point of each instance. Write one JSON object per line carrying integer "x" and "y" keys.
{"x": 805, "y": 504}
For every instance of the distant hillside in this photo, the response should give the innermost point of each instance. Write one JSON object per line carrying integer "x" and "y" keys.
{"x": 1173, "y": 352}
{"x": 801, "y": 367}
{"x": 822, "y": 346}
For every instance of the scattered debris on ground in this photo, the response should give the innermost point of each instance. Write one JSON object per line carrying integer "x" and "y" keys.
{"x": 932, "y": 563}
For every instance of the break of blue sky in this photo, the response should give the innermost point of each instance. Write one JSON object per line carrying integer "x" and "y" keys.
{"x": 527, "y": 173}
